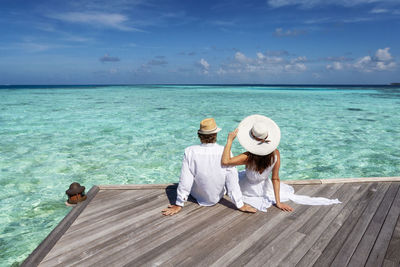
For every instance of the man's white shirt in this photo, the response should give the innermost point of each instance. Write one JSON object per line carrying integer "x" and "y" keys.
{"x": 203, "y": 176}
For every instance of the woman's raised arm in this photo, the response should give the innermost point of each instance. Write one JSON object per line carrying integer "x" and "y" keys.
{"x": 227, "y": 159}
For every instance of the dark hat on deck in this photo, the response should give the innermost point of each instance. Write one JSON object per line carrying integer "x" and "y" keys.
{"x": 75, "y": 188}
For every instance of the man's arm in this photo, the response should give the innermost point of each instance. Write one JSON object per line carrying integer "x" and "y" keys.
{"x": 185, "y": 185}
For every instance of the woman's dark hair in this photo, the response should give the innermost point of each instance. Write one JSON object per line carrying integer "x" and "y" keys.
{"x": 259, "y": 163}
{"x": 207, "y": 138}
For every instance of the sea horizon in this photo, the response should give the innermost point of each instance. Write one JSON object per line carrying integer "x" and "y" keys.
{"x": 391, "y": 84}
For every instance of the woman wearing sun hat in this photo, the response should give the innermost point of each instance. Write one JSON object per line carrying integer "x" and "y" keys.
{"x": 260, "y": 136}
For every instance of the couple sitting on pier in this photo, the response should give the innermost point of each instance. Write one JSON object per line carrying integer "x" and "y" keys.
{"x": 208, "y": 170}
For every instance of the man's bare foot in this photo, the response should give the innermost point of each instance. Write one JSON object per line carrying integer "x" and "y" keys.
{"x": 171, "y": 210}
{"x": 248, "y": 208}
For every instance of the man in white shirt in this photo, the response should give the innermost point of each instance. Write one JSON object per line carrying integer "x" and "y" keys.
{"x": 203, "y": 176}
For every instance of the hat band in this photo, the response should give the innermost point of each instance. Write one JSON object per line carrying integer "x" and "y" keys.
{"x": 208, "y": 130}
{"x": 262, "y": 140}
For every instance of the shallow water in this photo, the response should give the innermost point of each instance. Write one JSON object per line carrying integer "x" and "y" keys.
{"x": 51, "y": 137}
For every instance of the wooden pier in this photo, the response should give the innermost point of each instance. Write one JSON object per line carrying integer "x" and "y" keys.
{"x": 123, "y": 226}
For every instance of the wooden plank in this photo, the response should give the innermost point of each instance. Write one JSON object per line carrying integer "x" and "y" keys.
{"x": 344, "y": 180}
{"x": 388, "y": 263}
{"x": 344, "y": 193}
{"x": 111, "y": 230}
{"x": 392, "y": 253}
{"x": 377, "y": 255}
{"x": 48, "y": 243}
{"x": 139, "y": 240}
{"x": 279, "y": 251}
{"x": 329, "y": 253}
{"x": 96, "y": 210}
{"x": 133, "y": 231}
{"x": 222, "y": 242}
{"x": 317, "y": 224}
{"x": 105, "y": 193}
{"x": 291, "y": 182}
{"x": 175, "y": 252}
{"x": 267, "y": 255}
{"x": 67, "y": 249}
{"x": 113, "y": 218}
{"x": 248, "y": 247}
{"x": 160, "y": 242}
{"x": 70, "y": 241}
{"x": 91, "y": 217}
{"x": 240, "y": 252}
{"x": 143, "y": 237}
{"x": 365, "y": 245}
{"x": 113, "y": 196}
{"x": 112, "y": 215}
{"x": 137, "y": 186}
{"x": 304, "y": 182}
{"x": 320, "y": 244}
{"x": 384, "y": 201}
{"x": 213, "y": 246}
{"x": 361, "y": 180}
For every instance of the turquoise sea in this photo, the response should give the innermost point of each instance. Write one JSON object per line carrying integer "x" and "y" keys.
{"x": 52, "y": 136}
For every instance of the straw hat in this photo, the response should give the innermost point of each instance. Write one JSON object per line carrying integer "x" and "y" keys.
{"x": 259, "y": 134}
{"x": 208, "y": 126}
{"x": 75, "y": 188}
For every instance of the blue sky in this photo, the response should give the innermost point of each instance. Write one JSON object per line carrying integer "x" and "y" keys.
{"x": 270, "y": 41}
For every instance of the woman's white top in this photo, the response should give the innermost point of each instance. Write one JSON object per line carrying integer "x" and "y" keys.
{"x": 258, "y": 191}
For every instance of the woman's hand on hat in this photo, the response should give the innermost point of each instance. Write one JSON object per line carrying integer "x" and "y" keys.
{"x": 232, "y": 135}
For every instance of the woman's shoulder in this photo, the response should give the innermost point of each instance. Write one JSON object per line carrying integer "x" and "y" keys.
{"x": 277, "y": 154}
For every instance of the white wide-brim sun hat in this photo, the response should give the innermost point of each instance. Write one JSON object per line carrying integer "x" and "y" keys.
{"x": 259, "y": 134}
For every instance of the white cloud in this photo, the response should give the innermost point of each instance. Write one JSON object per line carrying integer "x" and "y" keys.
{"x": 241, "y": 58}
{"x": 316, "y": 75}
{"x": 385, "y": 66}
{"x": 96, "y": 19}
{"x": 313, "y": 3}
{"x": 223, "y": 23}
{"x": 335, "y": 66}
{"x": 263, "y": 64}
{"x": 76, "y": 38}
{"x": 104, "y": 4}
{"x": 337, "y": 20}
{"x": 299, "y": 59}
{"x": 260, "y": 56}
{"x": 204, "y": 65}
{"x": 34, "y": 47}
{"x": 282, "y": 33}
{"x": 379, "y": 10}
{"x": 221, "y": 71}
{"x": 383, "y": 54}
{"x": 296, "y": 67}
{"x": 363, "y": 63}
{"x": 108, "y": 58}
{"x": 382, "y": 61}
